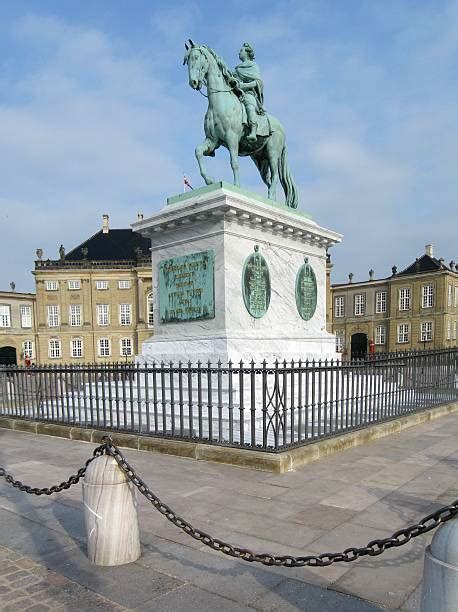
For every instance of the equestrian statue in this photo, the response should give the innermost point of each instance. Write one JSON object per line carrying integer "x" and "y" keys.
{"x": 237, "y": 120}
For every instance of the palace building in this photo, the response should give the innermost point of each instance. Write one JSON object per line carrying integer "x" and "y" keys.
{"x": 414, "y": 309}
{"x": 94, "y": 304}
{"x": 17, "y": 327}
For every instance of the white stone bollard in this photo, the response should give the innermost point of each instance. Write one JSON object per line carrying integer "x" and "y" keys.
{"x": 110, "y": 513}
{"x": 440, "y": 574}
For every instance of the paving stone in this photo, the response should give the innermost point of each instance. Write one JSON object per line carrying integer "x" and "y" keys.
{"x": 25, "y": 581}
{"x": 292, "y": 595}
{"x": 193, "y": 599}
{"x": 18, "y": 605}
{"x": 129, "y": 585}
{"x": 323, "y": 516}
{"x": 398, "y": 573}
{"x": 13, "y": 576}
{"x": 408, "y": 474}
{"x": 354, "y": 498}
{"x": 236, "y": 580}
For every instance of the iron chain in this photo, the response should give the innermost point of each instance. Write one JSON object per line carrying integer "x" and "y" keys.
{"x": 373, "y": 548}
{"x": 72, "y": 480}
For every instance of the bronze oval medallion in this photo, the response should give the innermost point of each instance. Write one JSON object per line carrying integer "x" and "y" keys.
{"x": 256, "y": 284}
{"x": 306, "y": 291}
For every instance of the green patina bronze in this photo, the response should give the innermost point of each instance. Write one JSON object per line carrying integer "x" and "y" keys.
{"x": 236, "y": 118}
{"x": 306, "y": 291}
{"x": 256, "y": 284}
{"x": 187, "y": 287}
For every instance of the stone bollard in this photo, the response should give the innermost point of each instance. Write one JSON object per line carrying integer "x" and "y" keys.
{"x": 440, "y": 574}
{"x": 110, "y": 513}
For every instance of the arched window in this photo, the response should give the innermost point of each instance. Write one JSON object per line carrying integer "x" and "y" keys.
{"x": 149, "y": 309}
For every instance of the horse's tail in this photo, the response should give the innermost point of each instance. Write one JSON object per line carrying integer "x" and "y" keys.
{"x": 286, "y": 180}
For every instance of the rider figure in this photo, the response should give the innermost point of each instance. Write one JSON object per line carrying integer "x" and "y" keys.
{"x": 252, "y": 88}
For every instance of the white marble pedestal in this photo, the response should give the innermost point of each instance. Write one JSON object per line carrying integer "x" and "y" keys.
{"x": 231, "y": 222}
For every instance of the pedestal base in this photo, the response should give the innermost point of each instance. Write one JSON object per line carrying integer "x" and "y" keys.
{"x": 237, "y": 348}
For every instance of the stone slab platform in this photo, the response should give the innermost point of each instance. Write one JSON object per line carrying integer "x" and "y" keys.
{"x": 279, "y": 463}
{"x": 342, "y": 500}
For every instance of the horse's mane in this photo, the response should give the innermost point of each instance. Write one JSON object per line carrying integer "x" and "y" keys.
{"x": 225, "y": 71}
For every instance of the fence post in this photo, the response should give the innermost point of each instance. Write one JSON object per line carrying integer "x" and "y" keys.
{"x": 440, "y": 574}
{"x": 110, "y": 512}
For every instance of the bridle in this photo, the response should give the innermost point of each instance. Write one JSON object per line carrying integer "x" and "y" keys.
{"x": 202, "y": 78}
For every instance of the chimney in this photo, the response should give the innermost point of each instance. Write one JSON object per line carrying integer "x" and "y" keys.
{"x": 139, "y": 216}
{"x": 429, "y": 250}
{"x": 105, "y": 224}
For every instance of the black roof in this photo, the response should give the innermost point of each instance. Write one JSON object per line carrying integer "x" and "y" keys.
{"x": 426, "y": 263}
{"x": 114, "y": 245}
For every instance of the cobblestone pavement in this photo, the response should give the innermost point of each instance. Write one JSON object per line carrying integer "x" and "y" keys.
{"x": 344, "y": 500}
{"x": 28, "y": 585}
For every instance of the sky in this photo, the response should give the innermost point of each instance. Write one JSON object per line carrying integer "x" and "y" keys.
{"x": 97, "y": 116}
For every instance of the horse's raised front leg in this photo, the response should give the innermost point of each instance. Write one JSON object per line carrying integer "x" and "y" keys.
{"x": 206, "y": 148}
{"x": 232, "y": 143}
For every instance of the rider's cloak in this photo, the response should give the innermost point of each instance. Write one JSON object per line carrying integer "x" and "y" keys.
{"x": 249, "y": 71}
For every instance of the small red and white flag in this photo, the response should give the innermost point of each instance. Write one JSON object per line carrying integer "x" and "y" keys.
{"x": 186, "y": 183}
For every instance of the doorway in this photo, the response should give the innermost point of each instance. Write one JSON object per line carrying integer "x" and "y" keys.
{"x": 359, "y": 346}
{"x": 8, "y": 355}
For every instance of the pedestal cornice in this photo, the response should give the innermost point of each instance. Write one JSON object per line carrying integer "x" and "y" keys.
{"x": 224, "y": 202}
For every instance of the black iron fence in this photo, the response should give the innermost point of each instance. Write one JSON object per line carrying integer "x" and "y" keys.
{"x": 258, "y": 406}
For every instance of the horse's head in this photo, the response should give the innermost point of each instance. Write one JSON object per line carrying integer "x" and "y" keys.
{"x": 197, "y": 61}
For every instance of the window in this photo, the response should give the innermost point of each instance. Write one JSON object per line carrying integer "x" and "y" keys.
{"x": 403, "y": 332}
{"x": 125, "y": 316}
{"x": 52, "y": 285}
{"x": 126, "y": 346}
{"x": 74, "y": 284}
{"x": 404, "y": 299}
{"x": 149, "y": 309}
{"x": 103, "y": 314}
{"x": 75, "y": 315}
{"x": 339, "y": 306}
{"x": 456, "y": 296}
{"x": 26, "y": 315}
{"x": 427, "y": 296}
{"x": 450, "y": 294}
{"x": 54, "y": 351}
{"x": 340, "y": 335}
{"x": 101, "y": 284}
{"x": 426, "y": 331}
{"x": 124, "y": 284}
{"x": 53, "y": 316}
{"x": 360, "y": 304}
{"x": 380, "y": 334}
{"x": 5, "y": 315}
{"x": 449, "y": 329}
{"x": 104, "y": 347}
{"x": 27, "y": 349}
{"x": 76, "y": 347}
{"x": 380, "y": 302}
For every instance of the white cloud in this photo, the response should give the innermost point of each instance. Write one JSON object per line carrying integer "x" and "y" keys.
{"x": 92, "y": 125}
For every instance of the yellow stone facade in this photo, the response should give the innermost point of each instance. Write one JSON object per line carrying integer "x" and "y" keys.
{"x": 17, "y": 326}
{"x": 420, "y": 311}
{"x": 83, "y": 304}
